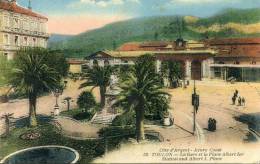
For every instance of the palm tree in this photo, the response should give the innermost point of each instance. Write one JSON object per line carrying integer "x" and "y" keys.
{"x": 98, "y": 77}
{"x": 33, "y": 75}
{"x": 141, "y": 91}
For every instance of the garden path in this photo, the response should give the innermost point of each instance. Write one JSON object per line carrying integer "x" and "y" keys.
{"x": 78, "y": 130}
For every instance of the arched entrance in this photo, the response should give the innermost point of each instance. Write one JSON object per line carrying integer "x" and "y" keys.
{"x": 196, "y": 70}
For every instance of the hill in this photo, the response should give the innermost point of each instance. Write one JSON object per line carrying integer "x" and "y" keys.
{"x": 58, "y": 38}
{"x": 228, "y": 23}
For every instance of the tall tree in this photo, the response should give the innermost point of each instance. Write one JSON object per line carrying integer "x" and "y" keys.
{"x": 98, "y": 77}
{"x": 33, "y": 74}
{"x": 58, "y": 61}
{"x": 141, "y": 90}
{"x": 172, "y": 70}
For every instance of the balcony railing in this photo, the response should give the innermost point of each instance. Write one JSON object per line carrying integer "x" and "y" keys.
{"x": 25, "y": 32}
{"x": 9, "y": 47}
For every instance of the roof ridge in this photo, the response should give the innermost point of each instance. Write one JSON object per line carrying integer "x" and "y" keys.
{"x": 14, "y": 7}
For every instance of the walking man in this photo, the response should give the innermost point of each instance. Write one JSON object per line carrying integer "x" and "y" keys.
{"x": 239, "y": 101}
{"x": 234, "y": 99}
{"x": 243, "y": 101}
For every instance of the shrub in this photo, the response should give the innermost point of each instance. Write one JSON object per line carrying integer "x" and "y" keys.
{"x": 124, "y": 119}
{"x": 112, "y": 137}
{"x": 86, "y": 100}
{"x": 121, "y": 132}
{"x": 79, "y": 114}
{"x": 83, "y": 116}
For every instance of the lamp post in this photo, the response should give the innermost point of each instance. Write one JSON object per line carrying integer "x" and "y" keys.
{"x": 195, "y": 104}
{"x": 57, "y": 94}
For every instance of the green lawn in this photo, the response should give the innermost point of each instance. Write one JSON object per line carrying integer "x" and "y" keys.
{"x": 88, "y": 149}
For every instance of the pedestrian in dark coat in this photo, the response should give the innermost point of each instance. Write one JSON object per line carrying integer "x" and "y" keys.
{"x": 234, "y": 100}
{"x": 243, "y": 101}
{"x": 239, "y": 101}
{"x": 236, "y": 93}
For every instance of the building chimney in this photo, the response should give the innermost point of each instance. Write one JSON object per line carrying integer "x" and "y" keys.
{"x": 13, "y": 2}
{"x": 30, "y": 5}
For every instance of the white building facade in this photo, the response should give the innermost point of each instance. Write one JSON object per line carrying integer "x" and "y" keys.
{"x": 20, "y": 27}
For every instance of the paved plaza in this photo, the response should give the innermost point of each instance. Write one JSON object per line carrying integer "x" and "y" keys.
{"x": 215, "y": 102}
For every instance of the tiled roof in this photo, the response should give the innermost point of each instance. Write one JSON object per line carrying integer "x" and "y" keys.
{"x": 13, "y": 7}
{"x": 134, "y": 54}
{"x": 234, "y": 41}
{"x": 133, "y": 46}
{"x": 155, "y": 44}
{"x": 76, "y": 61}
{"x": 159, "y": 45}
{"x": 237, "y": 47}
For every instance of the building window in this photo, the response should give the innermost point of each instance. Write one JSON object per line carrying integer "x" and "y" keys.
{"x": 25, "y": 41}
{"x": 34, "y": 41}
{"x": 253, "y": 62}
{"x": 25, "y": 25}
{"x": 217, "y": 72}
{"x": 221, "y": 62}
{"x": 16, "y": 22}
{"x": 6, "y": 39}
{"x": 16, "y": 40}
{"x": 6, "y": 20}
{"x": 237, "y": 62}
{"x": 6, "y": 55}
{"x": 106, "y": 62}
{"x": 95, "y": 63}
{"x": 84, "y": 68}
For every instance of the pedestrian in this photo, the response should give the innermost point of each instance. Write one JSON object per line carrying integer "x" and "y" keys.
{"x": 239, "y": 101}
{"x": 214, "y": 125}
{"x": 243, "y": 101}
{"x": 234, "y": 100}
{"x": 236, "y": 93}
{"x": 210, "y": 124}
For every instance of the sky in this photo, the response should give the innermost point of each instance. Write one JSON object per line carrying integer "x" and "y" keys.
{"x": 77, "y": 16}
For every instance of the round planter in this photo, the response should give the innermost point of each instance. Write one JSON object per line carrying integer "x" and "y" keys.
{"x": 4, "y": 99}
{"x": 167, "y": 121}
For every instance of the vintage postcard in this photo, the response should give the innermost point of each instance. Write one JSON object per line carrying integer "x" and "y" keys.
{"x": 129, "y": 81}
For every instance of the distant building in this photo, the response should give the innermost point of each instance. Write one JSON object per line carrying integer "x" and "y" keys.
{"x": 76, "y": 65}
{"x": 223, "y": 59}
{"x": 193, "y": 56}
{"x": 237, "y": 57}
{"x": 20, "y": 27}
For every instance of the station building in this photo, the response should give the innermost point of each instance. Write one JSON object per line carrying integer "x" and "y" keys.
{"x": 238, "y": 58}
{"x": 223, "y": 59}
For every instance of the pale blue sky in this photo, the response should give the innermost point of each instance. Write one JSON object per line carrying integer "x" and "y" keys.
{"x": 124, "y": 9}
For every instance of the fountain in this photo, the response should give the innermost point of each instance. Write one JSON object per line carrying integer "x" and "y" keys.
{"x": 43, "y": 155}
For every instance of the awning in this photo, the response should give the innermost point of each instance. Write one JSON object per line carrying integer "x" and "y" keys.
{"x": 234, "y": 66}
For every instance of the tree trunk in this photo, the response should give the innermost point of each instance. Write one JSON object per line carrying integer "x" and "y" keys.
{"x": 32, "y": 110}
{"x": 7, "y": 124}
{"x": 140, "y": 135}
{"x": 68, "y": 105}
{"x": 102, "y": 96}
